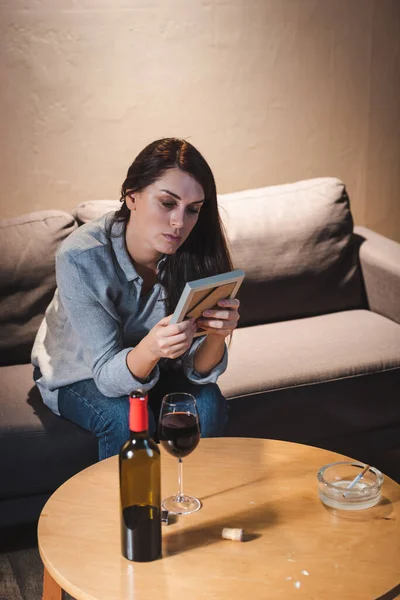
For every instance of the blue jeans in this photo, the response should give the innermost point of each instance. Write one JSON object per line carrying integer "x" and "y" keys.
{"x": 83, "y": 404}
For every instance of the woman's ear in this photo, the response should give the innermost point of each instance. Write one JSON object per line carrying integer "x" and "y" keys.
{"x": 130, "y": 201}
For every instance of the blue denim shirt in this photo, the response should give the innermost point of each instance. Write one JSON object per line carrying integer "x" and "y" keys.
{"x": 98, "y": 315}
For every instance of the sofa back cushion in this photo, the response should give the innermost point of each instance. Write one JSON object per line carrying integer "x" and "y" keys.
{"x": 27, "y": 283}
{"x": 93, "y": 209}
{"x": 295, "y": 244}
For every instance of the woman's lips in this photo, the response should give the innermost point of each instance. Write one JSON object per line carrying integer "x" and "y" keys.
{"x": 172, "y": 238}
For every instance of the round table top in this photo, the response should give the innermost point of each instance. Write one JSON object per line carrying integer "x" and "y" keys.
{"x": 297, "y": 548}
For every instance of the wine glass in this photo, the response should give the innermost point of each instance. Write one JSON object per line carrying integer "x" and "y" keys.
{"x": 179, "y": 434}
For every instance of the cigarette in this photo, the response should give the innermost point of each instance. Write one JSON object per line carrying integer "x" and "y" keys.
{"x": 357, "y": 479}
{"x": 237, "y": 535}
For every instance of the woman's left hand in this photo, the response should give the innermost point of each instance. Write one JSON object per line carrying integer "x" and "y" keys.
{"x": 220, "y": 320}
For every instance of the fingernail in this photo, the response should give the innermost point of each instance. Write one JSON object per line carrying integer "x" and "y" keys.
{"x": 207, "y": 313}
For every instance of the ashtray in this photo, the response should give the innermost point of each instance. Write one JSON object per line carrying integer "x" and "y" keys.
{"x": 334, "y": 481}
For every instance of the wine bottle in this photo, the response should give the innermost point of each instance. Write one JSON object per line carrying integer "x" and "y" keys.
{"x": 140, "y": 487}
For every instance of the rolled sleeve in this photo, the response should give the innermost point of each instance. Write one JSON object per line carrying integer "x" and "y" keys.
{"x": 115, "y": 379}
{"x": 191, "y": 373}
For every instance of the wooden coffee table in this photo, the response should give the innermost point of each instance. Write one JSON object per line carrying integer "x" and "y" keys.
{"x": 298, "y": 549}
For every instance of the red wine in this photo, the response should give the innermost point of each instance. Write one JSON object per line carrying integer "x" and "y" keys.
{"x": 179, "y": 433}
{"x": 140, "y": 487}
{"x": 140, "y": 532}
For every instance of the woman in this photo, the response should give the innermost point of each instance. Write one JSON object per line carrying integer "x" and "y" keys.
{"x": 106, "y": 332}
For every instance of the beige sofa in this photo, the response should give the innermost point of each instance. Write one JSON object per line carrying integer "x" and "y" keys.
{"x": 316, "y": 358}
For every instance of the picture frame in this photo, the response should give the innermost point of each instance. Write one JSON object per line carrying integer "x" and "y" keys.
{"x": 203, "y": 294}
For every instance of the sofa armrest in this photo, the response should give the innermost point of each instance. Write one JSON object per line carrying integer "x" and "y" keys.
{"x": 380, "y": 266}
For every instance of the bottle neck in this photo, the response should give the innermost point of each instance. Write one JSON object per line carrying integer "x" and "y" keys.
{"x": 137, "y": 435}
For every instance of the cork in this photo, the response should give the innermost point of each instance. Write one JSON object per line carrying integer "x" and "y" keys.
{"x": 237, "y": 535}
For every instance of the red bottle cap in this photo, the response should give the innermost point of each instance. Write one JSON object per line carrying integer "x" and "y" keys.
{"x": 138, "y": 413}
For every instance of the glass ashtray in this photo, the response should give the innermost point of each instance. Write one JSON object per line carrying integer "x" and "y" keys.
{"x": 334, "y": 480}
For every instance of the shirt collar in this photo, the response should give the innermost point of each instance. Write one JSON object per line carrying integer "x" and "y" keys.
{"x": 121, "y": 252}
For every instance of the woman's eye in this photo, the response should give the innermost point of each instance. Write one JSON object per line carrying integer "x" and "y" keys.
{"x": 168, "y": 204}
{"x": 193, "y": 211}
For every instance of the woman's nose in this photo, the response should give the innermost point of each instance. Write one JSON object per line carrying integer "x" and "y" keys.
{"x": 177, "y": 217}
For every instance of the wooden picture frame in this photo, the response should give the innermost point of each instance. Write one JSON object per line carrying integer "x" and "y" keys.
{"x": 203, "y": 294}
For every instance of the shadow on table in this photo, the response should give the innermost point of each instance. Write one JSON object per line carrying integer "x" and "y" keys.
{"x": 391, "y": 594}
{"x": 251, "y": 521}
{"x": 235, "y": 487}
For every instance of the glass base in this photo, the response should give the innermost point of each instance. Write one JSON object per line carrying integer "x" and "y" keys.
{"x": 181, "y": 505}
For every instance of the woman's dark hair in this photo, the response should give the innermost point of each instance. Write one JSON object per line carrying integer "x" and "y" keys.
{"x": 205, "y": 251}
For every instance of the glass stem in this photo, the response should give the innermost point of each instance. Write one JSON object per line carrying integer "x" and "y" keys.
{"x": 180, "y": 479}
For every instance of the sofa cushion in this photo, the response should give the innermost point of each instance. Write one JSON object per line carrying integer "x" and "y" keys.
{"x": 92, "y": 209}
{"x": 311, "y": 350}
{"x": 42, "y": 450}
{"x": 27, "y": 248}
{"x": 295, "y": 244}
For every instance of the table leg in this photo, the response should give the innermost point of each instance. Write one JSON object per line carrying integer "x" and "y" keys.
{"x": 51, "y": 589}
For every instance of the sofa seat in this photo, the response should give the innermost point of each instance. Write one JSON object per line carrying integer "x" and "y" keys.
{"x": 50, "y": 448}
{"x": 288, "y": 353}
{"x": 263, "y": 359}
{"x": 344, "y": 398}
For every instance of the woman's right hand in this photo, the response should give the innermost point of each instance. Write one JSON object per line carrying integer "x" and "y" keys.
{"x": 170, "y": 341}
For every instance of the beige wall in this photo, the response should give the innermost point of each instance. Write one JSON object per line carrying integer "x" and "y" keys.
{"x": 270, "y": 91}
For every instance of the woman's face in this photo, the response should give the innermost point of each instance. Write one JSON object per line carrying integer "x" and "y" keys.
{"x": 164, "y": 213}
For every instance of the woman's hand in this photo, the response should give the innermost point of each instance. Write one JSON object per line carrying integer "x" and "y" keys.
{"x": 221, "y": 320}
{"x": 170, "y": 341}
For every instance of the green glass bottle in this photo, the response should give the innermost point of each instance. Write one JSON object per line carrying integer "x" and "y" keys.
{"x": 140, "y": 487}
